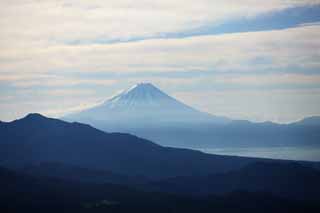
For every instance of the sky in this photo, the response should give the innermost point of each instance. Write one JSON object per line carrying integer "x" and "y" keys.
{"x": 244, "y": 59}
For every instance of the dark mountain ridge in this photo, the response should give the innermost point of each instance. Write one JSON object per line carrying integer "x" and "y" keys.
{"x": 62, "y": 166}
{"x": 35, "y": 139}
{"x": 287, "y": 180}
{"x": 24, "y": 193}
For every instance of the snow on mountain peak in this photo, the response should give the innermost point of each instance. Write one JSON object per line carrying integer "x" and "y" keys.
{"x": 143, "y": 102}
{"x": 143, "y": 87}
{"x": 141, "y": 92}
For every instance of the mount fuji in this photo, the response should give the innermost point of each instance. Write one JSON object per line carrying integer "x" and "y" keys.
{"x": 146, "y": 111}
{"x": 142, "y": 105}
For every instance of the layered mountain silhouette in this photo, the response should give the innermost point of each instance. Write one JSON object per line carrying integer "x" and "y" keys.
{"x": 146, "y": 111}
{"x": 52, "y": 165}
{"x": 36, "y": 139}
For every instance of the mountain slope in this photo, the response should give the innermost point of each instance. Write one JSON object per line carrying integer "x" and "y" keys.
{"x": 309, "y": 121}
{"x": 147, "y": 112}
{"x": 143, "y": 104}
{"x": 286, "y": 180}
{"x": 24, "y": 193}
{"x": 74, "y": 173}
{"x": 35, "y": 139}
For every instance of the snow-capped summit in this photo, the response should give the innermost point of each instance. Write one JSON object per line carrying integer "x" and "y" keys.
{"x": 143, "y": 103}
{"x": 138, "y": 95}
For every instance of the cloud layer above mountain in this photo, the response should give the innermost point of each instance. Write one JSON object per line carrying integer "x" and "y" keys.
{"x": 100, "y": 47}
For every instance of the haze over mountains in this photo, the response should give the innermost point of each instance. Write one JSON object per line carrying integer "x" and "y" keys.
{"x": 50, "y": 164}
{"x": 146, "y": 111}
{"x": 55, "y": 165}
{"x": 35, "y": 139}
{"x": 144, "y": 150}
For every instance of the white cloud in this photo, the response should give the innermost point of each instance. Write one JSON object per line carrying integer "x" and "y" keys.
{"x": 31, "y": 22}
{"x": 32, "y": 80}
{"x": 34, "y": 50}
{"x": 56, "y": 82}
{"x": 269, "y": 79}
{"x": 297, "y": 48}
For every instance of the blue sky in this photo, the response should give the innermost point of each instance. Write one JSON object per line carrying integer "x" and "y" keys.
{"x": 243, "y": 59}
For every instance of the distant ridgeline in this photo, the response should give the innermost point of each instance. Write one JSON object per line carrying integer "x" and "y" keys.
{"x": 51, "y": 165}
{"x": 146, "y": 111}
{"x": 35, "y": 139}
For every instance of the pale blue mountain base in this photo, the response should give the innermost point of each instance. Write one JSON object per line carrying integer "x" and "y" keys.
{"x": 307, "y": 153}
{"x": 147, "y": 112}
